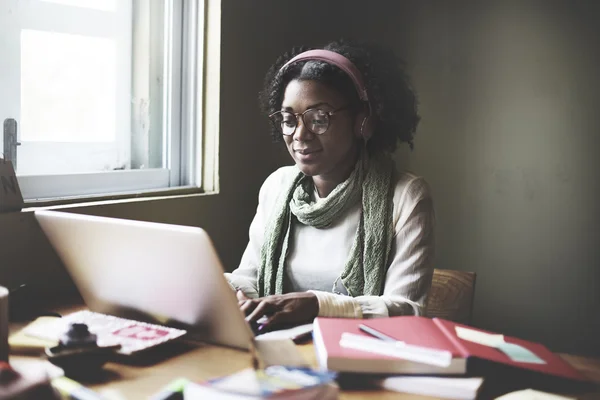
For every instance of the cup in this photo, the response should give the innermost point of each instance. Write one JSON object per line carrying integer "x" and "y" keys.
{"x": 3, "y": 324}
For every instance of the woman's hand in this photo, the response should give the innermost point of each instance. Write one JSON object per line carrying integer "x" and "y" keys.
{"x": 282, "y": 309}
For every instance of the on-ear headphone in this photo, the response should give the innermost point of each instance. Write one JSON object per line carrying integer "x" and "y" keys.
{"x": 331, "y": 57}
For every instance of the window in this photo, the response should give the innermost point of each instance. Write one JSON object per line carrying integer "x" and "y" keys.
{"x": 109, "y": 95}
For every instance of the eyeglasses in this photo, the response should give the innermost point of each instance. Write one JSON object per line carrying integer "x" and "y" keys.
{"x": 314, "y": 119}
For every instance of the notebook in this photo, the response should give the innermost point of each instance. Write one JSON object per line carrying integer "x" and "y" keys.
{"x": 468, "y": 346}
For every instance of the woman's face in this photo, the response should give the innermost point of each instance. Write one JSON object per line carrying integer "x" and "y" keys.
{"x": 330, "y": 156}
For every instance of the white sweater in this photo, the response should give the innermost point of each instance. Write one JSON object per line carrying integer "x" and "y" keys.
{"x": 317, "y": 257}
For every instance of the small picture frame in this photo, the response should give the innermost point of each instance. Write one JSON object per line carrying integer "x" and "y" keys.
{"x": 10, "y": 193}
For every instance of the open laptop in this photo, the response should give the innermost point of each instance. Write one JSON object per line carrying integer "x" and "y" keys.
{"x": 157, "y": 273}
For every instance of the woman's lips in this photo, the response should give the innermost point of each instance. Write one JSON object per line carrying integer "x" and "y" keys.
{"x": 306, "y": 155}
{"x": 306, "y": 151}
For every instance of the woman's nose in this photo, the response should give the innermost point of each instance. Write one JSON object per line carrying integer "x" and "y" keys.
{"x": 301, "y": 133}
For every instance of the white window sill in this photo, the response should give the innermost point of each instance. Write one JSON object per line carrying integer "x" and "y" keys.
{"x": 87, "y": 201}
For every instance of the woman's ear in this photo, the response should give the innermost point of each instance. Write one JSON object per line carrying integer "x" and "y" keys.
{"x": 364, "y": 124}
{"x": 359, "y": 123}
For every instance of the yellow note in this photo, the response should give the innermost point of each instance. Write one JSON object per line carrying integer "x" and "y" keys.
{"x": 483, "y": 338}
{"x": 23, "y": 343}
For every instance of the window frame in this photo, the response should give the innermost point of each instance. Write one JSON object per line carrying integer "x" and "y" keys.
{"x": 191, "y": 140}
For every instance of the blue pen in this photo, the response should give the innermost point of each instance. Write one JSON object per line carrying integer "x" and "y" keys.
{"x": 173, "y": 391}
{"x": 376, "y": 333}
{"x": 74, "y": 390}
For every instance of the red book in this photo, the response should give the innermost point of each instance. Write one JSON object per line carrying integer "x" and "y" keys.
{"x": 428, "y": 333}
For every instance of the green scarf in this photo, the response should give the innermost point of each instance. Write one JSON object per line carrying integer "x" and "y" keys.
{"x": 370, "y": 183}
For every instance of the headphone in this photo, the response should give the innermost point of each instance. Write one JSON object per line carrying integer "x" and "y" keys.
{"x": 367, "y": 126}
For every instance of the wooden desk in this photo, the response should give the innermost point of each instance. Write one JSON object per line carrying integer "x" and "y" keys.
{"x": 144, "y": 377}
{"x": 199, "y": 362}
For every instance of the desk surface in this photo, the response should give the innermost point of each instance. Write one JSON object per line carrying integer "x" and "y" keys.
{"x": 199, "y": 362}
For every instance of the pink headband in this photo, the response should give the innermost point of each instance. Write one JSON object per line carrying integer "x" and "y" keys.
{"x": 339, "y": 61}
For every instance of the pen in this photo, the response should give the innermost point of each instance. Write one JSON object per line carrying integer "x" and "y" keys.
{"x": 376, "y": 333}
{"x": 74, "y": 390}
{"x": 173, "y": 391}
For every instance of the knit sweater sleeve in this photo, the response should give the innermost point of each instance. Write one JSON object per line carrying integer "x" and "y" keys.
{"x": 410, "y": 270}
{"x": 245, "y": 276}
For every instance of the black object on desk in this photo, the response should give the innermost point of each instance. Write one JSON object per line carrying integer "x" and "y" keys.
{"x": 78, "y": 352}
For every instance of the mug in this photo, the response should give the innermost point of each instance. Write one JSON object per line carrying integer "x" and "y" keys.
{"x": 3, "y": 324}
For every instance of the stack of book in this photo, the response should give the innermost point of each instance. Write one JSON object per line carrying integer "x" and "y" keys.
{"x": 418, "y": 355}
{"x": 411, "y": 346}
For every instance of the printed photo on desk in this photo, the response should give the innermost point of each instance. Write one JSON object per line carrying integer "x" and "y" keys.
{"x": 276, "y": 382}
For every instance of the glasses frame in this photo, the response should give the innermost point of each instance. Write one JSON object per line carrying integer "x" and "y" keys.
{"x": 297, "y": 115}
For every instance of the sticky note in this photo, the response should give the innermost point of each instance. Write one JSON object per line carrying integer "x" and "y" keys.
{"x": 519, "y": 353}
{"x": 514, "y": 351}
{"x": 483, "y": 338}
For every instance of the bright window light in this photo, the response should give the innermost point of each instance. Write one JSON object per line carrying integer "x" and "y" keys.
{"x": 68, "y": 87}
{"x": 104, "y": 5}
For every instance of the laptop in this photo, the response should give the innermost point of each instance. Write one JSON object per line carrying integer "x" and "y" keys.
{"x": 152, "y": 272}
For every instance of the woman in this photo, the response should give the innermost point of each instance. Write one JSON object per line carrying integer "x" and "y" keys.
{"x": 340, "y": 233}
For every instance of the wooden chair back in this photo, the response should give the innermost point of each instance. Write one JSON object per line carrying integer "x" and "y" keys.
{"x": 451, "y": 295}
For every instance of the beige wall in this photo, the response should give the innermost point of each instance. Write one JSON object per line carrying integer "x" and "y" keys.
{"x": 509, "y": 94}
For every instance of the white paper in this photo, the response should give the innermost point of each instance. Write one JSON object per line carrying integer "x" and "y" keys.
{"x": 531, "y": 394}
{"x": 483, "y": 338}
{"x": 443, "y": 387}
{"x": 439, "y": 358}
{"x": 290, "y": 333}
